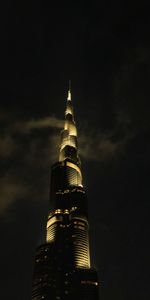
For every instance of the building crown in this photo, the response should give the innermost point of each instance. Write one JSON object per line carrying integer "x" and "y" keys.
{"x": 68, "y": 145}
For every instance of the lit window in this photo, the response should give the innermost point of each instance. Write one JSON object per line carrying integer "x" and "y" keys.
{"x": 73, "y": 208}
{"x": 58, "y": 211}
{"x": 89, "y": 282}
{"x": 66, "y": 292}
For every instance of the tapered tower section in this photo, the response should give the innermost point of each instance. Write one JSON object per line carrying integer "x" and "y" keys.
{"x": 62, "y": 266}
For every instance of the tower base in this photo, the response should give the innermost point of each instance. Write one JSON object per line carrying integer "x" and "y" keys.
{"x": 54, "y": 282}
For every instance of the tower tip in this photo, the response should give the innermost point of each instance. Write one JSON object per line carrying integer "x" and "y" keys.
{"x": 70, "y": 84}
{"x": 69, "y": 91}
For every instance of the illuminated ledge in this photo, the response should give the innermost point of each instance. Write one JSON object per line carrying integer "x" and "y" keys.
{"x": 59, "y": 212}
{"x": 71, "y": 165}
{"x": 89, "y": 282}
{"x": 71, "y": 190}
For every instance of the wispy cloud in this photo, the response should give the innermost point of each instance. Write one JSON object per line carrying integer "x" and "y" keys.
{"x": 24, "y": 155}
{"x": 101, "y": 147}
{"x": 7, "y": 145}
{"x": 10, "y": 191}
{"x": 98, "y": 145}
{"x": 48, "y": 122}
{"x": 32, "y": 154}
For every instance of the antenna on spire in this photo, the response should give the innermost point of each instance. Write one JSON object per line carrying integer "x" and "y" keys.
{"x": 69, "y": 85}
{"x": 69, "y": 91}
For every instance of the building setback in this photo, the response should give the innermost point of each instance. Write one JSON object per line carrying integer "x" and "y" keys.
{"x": 62, "y": 264}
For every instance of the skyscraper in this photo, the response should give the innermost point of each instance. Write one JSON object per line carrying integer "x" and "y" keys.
{"x": 62, "y": 264}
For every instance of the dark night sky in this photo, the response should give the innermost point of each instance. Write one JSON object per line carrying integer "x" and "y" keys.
{"x": 104, "y": 47}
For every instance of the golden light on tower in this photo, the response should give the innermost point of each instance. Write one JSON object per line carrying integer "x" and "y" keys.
{"x": 65, "y": 256}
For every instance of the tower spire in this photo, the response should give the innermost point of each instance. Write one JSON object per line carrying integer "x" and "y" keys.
{"x": 69, "y": 91}
{"x": 70, "y": 84}
{"x": 68, "y": 147}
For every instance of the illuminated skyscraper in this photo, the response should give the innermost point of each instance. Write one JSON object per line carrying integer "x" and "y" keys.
{"x": 62, "y": 265}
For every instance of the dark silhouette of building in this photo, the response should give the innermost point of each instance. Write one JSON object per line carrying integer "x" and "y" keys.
{"x": 62, "y": 265}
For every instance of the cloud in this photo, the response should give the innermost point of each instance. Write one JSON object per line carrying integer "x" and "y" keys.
{"x": 99, "y": 147}
{"x": 43, "y": 151}
{"x": 10, "y": 191}
{"x": 7, "y": 145}
{"x": 26, "y": 156}
{"x": 103, "y": 145}
{"x": 48, "y": 122}
{"x": 31, "y": 154}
